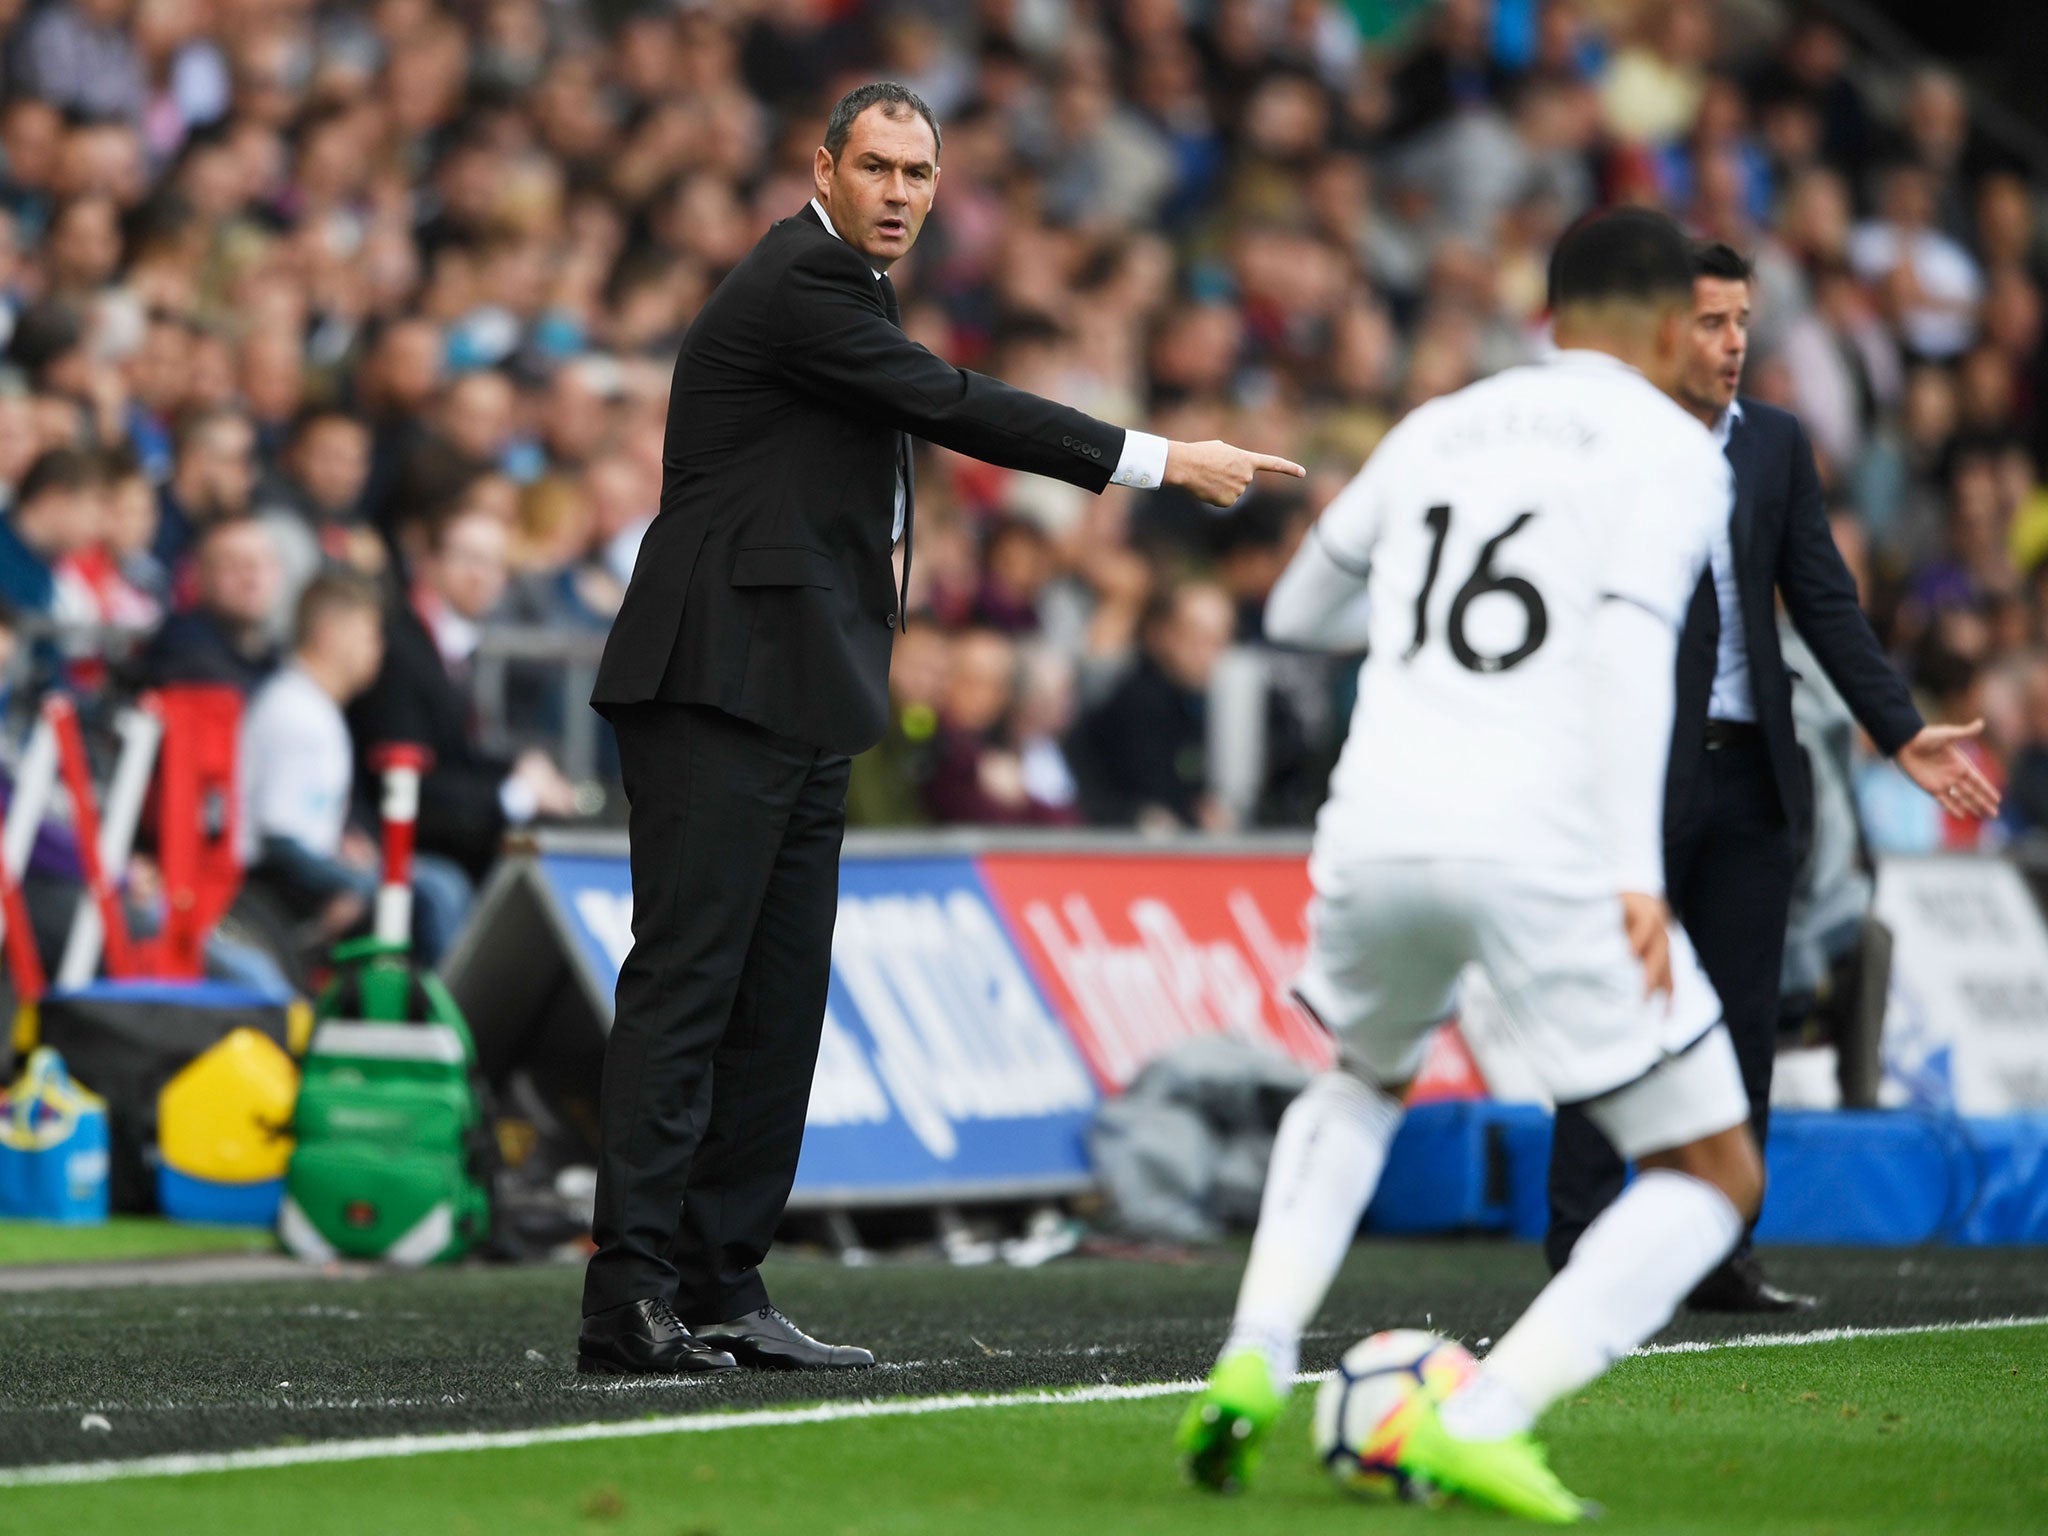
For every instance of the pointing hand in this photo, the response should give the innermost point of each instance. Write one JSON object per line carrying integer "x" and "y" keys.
{"x": 1218, "y": 473}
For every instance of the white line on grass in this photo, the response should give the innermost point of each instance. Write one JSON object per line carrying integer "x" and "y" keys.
{"x": 1832, "y": 1335}
{"x": 681, "y": 1424}
{"x": 397, "y": 1446}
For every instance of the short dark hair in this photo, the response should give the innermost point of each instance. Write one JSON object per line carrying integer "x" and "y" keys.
{"x": 120, "y": 463}
{"x": 895, "y": 101}
{"x": 57, "y": 469}
{"x": 1719, "y": 259}
{"x": 313, "y": 416}
{"x": 1620, "y": 253}
{"x": 333, "y": 592}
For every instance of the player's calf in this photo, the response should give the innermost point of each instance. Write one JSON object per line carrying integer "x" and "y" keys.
{"x": 1727, "y": 1160}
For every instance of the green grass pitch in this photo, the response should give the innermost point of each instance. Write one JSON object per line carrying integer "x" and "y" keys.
{"x": 1924, "y": 1432}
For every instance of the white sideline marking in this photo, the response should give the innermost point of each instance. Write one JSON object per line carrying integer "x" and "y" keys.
{"x": 1831, "y": 1335}
{"x": 185, "y": 1465}
{"x": 397, "y": 1446}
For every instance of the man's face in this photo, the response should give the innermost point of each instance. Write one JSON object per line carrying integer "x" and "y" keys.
{"x": 333, "y": 461}
{"x": 1715, "y": 345}
{"x": 478, "y": 418}
{"x": 1190, "y": 642}
{"x": 60, "y": 522}
{"x": 354, "y": 637}
{"x": 131, "y": 516}
{"x": 880, "y": 188}
{"x": 469, "y": 567}
{"x": 223, "y": 470}
{"x": 239, "y": 575}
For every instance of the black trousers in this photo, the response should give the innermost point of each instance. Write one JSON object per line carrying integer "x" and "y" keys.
{"x": 735, "y": 851}
{"x": 1729, "y": 866}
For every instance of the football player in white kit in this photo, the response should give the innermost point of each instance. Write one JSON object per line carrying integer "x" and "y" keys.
{"x": 1516, "y": 559}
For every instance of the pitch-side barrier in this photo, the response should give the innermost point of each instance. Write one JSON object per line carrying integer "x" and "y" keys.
{"x": 989, "y": 991}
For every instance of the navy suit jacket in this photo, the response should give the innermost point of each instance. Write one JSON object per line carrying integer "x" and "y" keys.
{"x": 1782, "y": 545}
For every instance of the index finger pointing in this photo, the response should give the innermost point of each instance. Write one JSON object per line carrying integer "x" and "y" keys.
{"x": 1278, "y": 466}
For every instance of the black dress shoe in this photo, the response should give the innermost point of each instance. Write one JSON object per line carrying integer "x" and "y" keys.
{"x": 769, "y": 1341}
{"x": 644, "y": 1338}
{"x": 1739, "y": 1286}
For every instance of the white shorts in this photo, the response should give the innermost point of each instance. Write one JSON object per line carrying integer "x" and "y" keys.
{"x": 1388, "y": 938}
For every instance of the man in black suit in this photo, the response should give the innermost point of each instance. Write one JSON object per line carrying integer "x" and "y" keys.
{"x": 1738, "y": 799}
{"x": 748, "y": 663}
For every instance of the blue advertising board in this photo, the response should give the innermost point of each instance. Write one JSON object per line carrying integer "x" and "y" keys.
{"x": 943, "y": 1072}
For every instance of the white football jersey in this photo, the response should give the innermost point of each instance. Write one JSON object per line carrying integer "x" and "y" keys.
{"x": 1490, "y": 526}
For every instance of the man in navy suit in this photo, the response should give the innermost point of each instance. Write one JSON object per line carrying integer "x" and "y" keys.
{"x": 1738, "y": 798}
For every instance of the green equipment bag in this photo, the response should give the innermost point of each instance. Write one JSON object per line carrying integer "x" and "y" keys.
{"x": 393, "y": 1158}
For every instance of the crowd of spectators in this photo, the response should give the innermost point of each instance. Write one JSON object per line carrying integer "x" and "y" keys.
{"x": 392, "y": 290}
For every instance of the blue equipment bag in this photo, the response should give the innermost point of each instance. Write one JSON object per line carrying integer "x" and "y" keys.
{"x": 53, "y": 1146}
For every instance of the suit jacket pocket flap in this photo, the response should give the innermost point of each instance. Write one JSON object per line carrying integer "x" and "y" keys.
{"x": 782, "y": 565}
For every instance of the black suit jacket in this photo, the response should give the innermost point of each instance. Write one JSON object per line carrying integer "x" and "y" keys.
{"x": 1782, "y": 545}
{"x": 764, "y": 587}
{"x": 414, "y": 699}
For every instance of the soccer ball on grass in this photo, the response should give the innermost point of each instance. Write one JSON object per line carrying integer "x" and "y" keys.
{"x": 1354, "y": 1438}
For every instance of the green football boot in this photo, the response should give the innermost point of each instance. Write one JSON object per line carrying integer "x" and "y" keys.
{"x": 1510, "y": 1474}
{"x": 1225, "y": 1428}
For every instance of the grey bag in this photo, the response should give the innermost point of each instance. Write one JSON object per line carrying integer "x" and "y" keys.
{"x": 1182, "y": 1154}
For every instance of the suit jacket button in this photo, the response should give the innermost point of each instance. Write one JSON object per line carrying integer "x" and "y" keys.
{"x": 890, "y": 621}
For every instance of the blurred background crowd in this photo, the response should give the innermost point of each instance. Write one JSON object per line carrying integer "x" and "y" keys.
{"x": 335, "y": 341}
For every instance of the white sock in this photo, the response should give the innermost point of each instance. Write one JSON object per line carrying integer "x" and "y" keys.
{"x": 1326, "y": 1163}
{"x": 1626, "y": 1277}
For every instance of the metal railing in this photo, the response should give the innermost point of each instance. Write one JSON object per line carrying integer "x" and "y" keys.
{"x": 1895, "y": 52}
{"x": 525, "y": 663}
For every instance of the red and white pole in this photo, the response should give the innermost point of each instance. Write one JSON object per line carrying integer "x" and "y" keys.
{"x": 403, "y": 764}
{"x": 100, "y": 879}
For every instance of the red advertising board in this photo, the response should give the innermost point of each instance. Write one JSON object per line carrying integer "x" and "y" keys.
{"x": 1140, "y": 953}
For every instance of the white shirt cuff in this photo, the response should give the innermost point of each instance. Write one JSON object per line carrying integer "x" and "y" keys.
{"x": 1143, "y": 463}
{"x": 518, "y": 801}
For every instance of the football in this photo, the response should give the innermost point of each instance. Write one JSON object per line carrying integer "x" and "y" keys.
{"x": 1375, "y": 1377}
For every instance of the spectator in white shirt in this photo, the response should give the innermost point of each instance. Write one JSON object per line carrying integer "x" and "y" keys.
{"x": 1928, "y": 279}
{"x": 297, "y": 771}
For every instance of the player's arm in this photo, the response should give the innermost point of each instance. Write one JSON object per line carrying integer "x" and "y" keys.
{"x": 1320, "y": 601}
